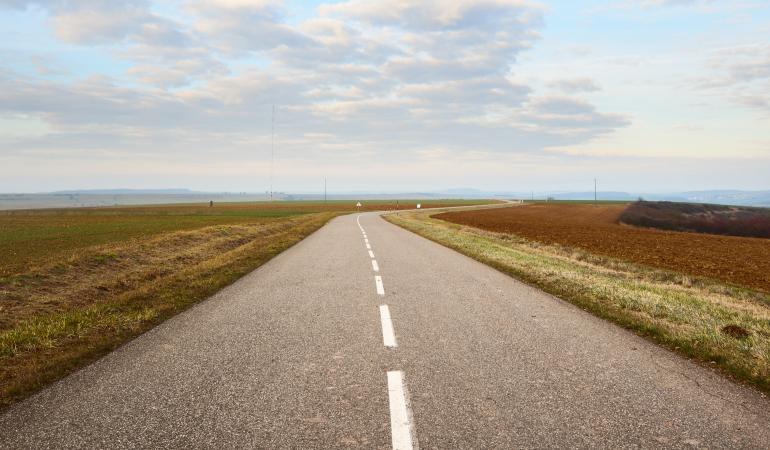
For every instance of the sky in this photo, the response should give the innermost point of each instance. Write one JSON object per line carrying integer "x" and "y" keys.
{"x": 385, "y": 95}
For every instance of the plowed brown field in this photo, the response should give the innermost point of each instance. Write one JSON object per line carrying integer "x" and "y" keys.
{"x": 595, "y": 228}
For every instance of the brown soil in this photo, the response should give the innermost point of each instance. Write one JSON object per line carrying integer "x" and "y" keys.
{"x": 595, "y": 228}
{"x": 736, "y": 331}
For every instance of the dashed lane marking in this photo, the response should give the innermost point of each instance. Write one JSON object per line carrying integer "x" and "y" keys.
{"x": 402, "y": 432}
{"x": 380, "y": 287}
{"x": 388, "y": 335}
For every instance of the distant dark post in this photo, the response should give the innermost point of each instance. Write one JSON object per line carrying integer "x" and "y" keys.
{"x": 211, "y": 203}
{"x": 595, "y": 196}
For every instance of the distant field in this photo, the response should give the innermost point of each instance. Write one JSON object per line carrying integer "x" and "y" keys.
{"x": 30, "y": 238}
{"x": 700, "y": 218}
{"x": 76, "y": 283}
{"x": 738, "y": 260}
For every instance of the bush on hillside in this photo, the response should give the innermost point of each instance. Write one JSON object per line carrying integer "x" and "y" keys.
{"x": 699, "y": 218}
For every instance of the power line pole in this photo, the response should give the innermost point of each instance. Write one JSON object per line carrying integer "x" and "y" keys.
{"x": 324, "y": 190}
{"x": 272, "y": 150}
{"x": 595, "y": 196}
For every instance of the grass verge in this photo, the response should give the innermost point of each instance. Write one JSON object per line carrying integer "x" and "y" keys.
{"x": 723, "y": 326}
{"x": 71, "y": 313}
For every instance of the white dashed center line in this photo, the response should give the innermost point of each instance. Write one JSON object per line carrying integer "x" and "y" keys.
{"x": 388, "y": 335}
{"x": 378, "y": 282}
{"x": 402, "y": 432}
{"x": 401, "y": 426}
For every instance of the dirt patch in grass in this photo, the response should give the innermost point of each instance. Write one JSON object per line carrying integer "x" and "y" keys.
{"x": 723, "y": 326}
{"x": 738, "y": 260}
{"x": 57, "y": 317}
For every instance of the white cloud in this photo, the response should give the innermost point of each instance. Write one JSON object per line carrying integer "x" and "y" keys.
{"x": 740, "y": 73}
{"x": 575, "y": 85}
{"x": 669, "y": 3}
{"x": 438, "y": 15}
{"x": 93, "y": 21}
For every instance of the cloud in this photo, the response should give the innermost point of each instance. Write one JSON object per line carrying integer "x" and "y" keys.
{"x": 741, "y": 74}
{"x": 575, "y": 85}
{"x": 441, "y": 40}
{"x": 239, "y": 25}
{"x": 94, "y": 21}
{"x": 437, "y": 15}
{"x": 666, "y": 3}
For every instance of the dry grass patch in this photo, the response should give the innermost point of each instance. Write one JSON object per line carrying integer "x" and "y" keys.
{"x": 58, "y": 317}
{"x": 725, "y": 326}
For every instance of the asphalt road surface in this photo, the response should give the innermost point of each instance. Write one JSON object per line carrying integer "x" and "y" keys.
{"x": 312, "y": 350}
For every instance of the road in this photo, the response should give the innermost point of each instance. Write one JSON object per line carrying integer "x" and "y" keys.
{"x": 301, "y": 353}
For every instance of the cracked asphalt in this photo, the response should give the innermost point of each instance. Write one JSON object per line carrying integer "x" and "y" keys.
{"x": 292, "y": 356}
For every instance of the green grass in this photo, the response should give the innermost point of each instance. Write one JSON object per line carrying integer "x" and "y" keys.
{"x": 38, "y": 238}
{"x": 685, "y": 314}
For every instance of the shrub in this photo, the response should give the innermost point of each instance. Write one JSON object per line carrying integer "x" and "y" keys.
{"x": 699, "y": 218}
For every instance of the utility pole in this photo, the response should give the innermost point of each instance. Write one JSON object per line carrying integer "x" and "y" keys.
{"x": 595, "y": 196}
{"x": 324, "y": 190}
{"x": 272, "y": 150}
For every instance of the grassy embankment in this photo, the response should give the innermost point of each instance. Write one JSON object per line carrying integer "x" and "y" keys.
{"x": 724, "y": 326}
{"x": 76, "y": 283}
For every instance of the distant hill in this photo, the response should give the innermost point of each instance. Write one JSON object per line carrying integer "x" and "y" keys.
{"x": 724, "y": 197}
{"x": 109, "y": 197}
{"x": 748, "y": 198}
{"x": 590, "y": 196}
{"x": 720, "y": 197}
{"x": 127, "y": 192}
